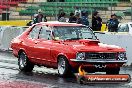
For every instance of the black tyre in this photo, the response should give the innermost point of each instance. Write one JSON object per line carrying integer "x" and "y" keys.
{"x": 24, "y": 64}
{"x": 113, "y": 71}
{"x": 64, "y": 69}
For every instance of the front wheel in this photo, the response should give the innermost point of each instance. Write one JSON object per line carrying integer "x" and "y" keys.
{"x": 24, "y": 64}
{"x": 64, "y": 67}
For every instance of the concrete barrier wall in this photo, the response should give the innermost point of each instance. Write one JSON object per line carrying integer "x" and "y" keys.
{"x": 7, "y": 33}
{"x": 122, "y": 40}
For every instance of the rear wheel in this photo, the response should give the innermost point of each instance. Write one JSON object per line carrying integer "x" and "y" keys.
{"x": 64, "y": 69}
{"x": 24, "y": 64}
{"x": 113, "y": 71}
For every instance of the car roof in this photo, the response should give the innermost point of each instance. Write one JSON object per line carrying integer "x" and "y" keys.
{"x": 56, "y": 23}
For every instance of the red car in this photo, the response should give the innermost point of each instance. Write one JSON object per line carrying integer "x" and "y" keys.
{"x": 66, "y": 46}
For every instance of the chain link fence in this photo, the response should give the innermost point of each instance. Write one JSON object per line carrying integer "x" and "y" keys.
{"x": 25, "y": 9}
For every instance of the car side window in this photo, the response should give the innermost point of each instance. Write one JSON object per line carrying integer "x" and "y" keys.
{"x": 45, "y": 33}
{"x": 35, "y": 32}
{"x": 123, "y": 28}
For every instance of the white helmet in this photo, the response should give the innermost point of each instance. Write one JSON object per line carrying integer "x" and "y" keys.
{"x": 35, "y": 15}
{"x": 39, "y": 11}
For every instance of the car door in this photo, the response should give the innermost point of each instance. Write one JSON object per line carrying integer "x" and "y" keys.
{"x": 31, "y": 41}
{"x": 43, "y": 46}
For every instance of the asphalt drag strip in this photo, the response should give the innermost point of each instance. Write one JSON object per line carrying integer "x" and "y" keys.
{"x": 42, "y": 77}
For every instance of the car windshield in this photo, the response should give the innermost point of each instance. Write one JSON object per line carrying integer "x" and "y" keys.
{"x": 73, "y": 33}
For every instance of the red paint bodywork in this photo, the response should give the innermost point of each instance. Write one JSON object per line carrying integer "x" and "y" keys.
{"x": 46, "y": 52}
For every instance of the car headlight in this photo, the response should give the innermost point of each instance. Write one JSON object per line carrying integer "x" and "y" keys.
{"x": 122, "y": 56}
{"x": 80, "y": 56}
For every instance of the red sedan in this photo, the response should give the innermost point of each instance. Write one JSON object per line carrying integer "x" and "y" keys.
{"x": 66, "y": 46}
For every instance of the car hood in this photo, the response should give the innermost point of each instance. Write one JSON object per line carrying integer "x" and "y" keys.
{"x": 92, "y": 46}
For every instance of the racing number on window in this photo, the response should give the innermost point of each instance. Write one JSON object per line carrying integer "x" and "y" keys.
{"x": 35, "y": 32}
{"x": 44, "y": 33}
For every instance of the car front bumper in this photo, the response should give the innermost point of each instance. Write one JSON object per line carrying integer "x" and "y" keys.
{"x": 99, "y": 65}
{"x": 99, "y": 61}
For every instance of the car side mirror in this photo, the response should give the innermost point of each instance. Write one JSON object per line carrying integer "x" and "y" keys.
{"x": 97, "y": 38}
{"x": 55, "y": 38}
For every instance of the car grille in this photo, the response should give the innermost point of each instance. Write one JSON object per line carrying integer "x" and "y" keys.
{"x": 100, "y": 55}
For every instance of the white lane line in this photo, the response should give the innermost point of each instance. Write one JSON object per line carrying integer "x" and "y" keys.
{"x": 9, "y": 59}
{"x": 8, "y": 65}
{"x": 36, "y": 68}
